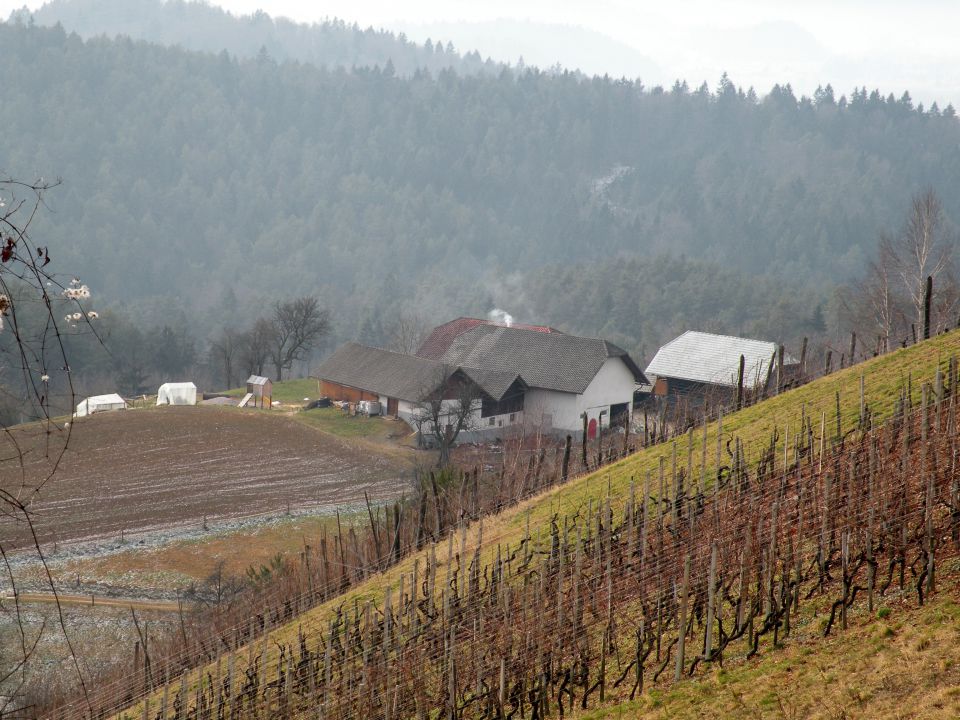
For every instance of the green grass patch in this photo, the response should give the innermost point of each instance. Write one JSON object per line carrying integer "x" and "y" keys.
{"x": 336, "y": 422}
{"x": 288, "y": 392}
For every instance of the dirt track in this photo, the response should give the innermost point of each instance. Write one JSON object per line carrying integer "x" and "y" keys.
{"x": 137, "y": 470}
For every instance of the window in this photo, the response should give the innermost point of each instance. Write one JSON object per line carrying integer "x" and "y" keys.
{"x": 492, "y": 421}
{"x": 513, "y": 416}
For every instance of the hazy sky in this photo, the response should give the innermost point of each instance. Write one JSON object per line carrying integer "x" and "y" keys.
{"x": 895, "y": 45}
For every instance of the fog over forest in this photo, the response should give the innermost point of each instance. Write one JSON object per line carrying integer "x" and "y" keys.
{"x": 213, "y": 164}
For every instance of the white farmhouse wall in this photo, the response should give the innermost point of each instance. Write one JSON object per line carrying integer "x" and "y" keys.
{"x": 613, "y": 384}
{"x": 551, "y": 409}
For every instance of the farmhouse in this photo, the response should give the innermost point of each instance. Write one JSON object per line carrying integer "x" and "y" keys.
{"x": 534, "y": 378}
{"x": 699, "y": 366}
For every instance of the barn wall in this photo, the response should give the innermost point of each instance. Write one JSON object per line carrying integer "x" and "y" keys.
{"x": 695, "y": 394}
{"x": 335, "y": 391}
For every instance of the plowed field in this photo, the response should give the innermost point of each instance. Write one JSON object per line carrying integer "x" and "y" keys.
{"x": 139, "y": 470}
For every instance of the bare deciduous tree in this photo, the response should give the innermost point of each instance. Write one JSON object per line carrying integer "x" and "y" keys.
{"x": 408, "y": 333}
{"x": 446, "y": 408}
{"x": 298, "y": 325}
{"x": 890, "y": 294}
{"x": 256, "y": 344}
{"x": 923, "y": 249}
{"x": 218, "y": 589}
{"x": 874, "y": 302}
{"x": 225, "y": 352}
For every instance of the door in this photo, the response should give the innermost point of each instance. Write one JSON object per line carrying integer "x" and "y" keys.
{"x": 619, "y": 414}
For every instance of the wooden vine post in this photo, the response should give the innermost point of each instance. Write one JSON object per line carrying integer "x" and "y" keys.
{"x": 740, "y": 382}
{"x": 682, "y": 625}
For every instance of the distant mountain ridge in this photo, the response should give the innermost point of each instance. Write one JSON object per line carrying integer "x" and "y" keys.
{"x": 195, "y": 25}
{"x": 546, "y": 45}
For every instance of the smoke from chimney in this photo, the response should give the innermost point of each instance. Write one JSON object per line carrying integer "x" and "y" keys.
{"x": 501, "y": 317}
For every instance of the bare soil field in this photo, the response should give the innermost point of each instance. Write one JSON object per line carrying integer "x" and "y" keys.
{"x": 139, "y": 470}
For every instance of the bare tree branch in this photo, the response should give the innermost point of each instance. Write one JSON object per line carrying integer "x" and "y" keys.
{"x": 297, "y": 325}
{"x": 447, "y": 406}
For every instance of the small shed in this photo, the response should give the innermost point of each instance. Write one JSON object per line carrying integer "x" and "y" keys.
{"x": 696, "y": 366}
{"x": 100, "y": 403}
{"x": 261, "y": 390}
{"x": 180, "y": 393}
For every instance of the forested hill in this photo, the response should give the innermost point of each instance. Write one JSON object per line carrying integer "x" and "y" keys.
{"x": 224, "y": 183}
{"x": 196, "y": 25}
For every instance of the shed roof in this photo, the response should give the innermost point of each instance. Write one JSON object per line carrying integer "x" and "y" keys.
{"x": 547, "y": 360}
{"x": 713, "y": 359}
{"x": 257, "y": 380}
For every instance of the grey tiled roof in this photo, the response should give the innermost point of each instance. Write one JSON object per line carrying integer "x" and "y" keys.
{"x": 550, "y": 361}
{"x": 493, "y": 382}
{"x": 405, "y": 377}
{"x": 713, "y": 359}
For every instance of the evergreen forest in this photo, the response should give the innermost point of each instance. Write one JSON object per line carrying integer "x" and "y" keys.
{"x": 200, "y": 186}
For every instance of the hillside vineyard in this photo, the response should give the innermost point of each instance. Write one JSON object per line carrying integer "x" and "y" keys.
{"x": 626, "y": 592}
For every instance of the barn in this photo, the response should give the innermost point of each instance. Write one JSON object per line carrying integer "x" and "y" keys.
{"x": 529, "y": 378}
{"x": 399, "y": 382}
{"x": 698, "y": 367}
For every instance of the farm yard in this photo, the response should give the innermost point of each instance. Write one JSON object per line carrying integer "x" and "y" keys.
{"x": 141, "y": 470}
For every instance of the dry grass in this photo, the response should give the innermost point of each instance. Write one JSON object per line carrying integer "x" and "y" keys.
{"x": 904, "y": 666}
{"x": 178, "y": 563}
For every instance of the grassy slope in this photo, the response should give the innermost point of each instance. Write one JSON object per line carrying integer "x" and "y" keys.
{"x": 884, "y": 377}
{"x": 905, "y": 664}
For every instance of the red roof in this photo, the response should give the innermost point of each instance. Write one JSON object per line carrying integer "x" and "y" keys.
{"x": 442, "y": 336}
